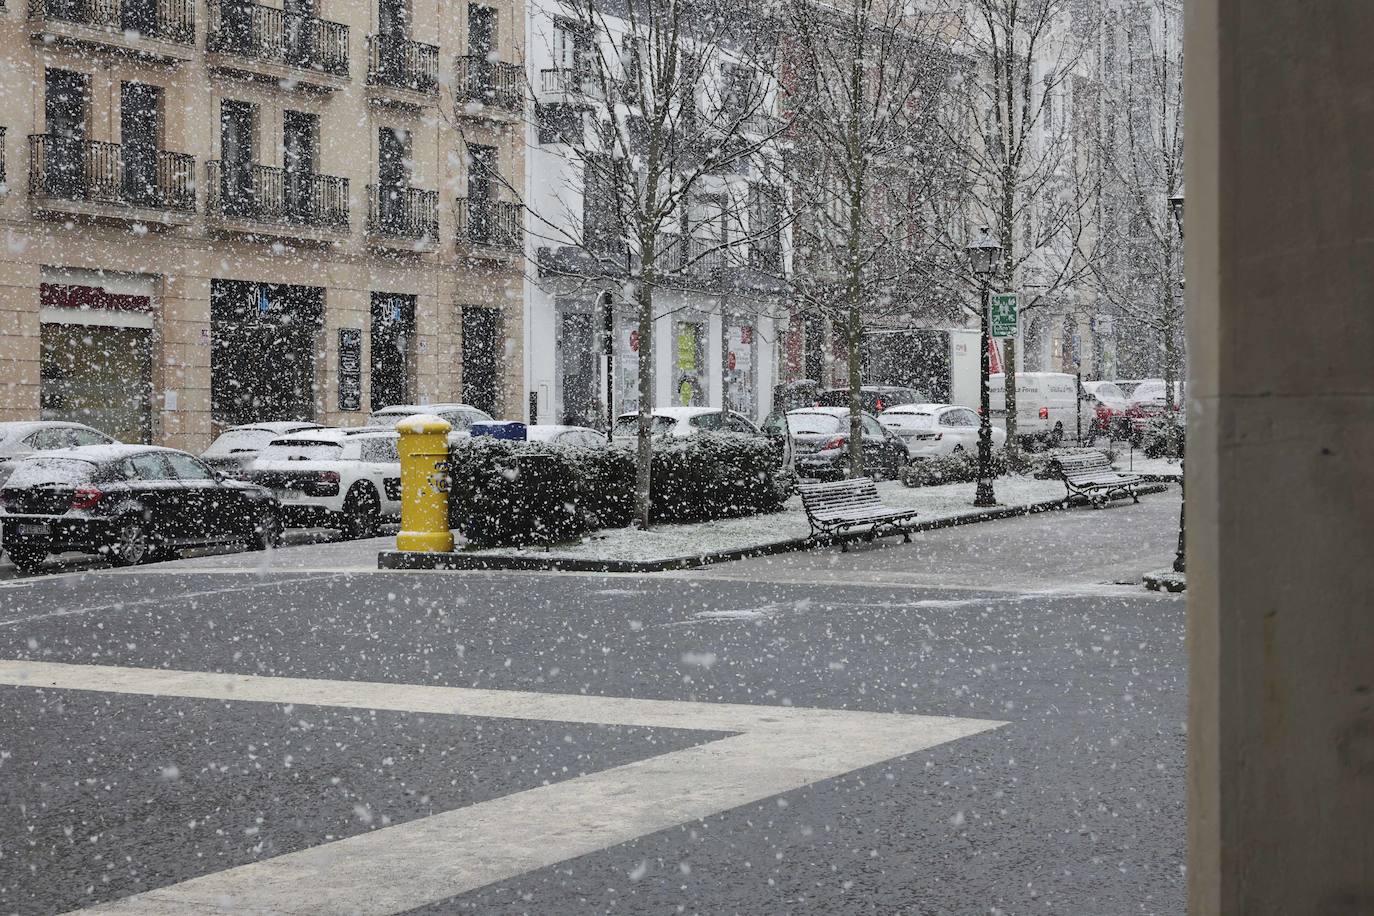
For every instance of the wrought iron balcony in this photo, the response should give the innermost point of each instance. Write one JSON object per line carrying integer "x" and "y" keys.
{"x": 570, "y": 83}
{"x": 765, "y": 255}
{"x": 396, "y": 62}
{"x": 108, "y": 175}
{"x": 704, "y": 256}
{"x": 403, "y": 214}
{"x": 491, "y": 83}
{"x": 255, "y": 32}
{"x": 491, "y": 224}
{"x": 274, "y": 196}
{"x": 166, "y": 20}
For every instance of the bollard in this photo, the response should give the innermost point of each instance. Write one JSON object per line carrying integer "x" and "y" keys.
{"x": 424, "y": 485}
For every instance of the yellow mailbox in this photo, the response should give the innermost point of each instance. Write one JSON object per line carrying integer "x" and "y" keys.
{"x": 424, "y": 485}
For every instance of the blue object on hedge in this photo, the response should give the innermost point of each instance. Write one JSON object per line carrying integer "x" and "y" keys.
{"x": 499, "y": 429}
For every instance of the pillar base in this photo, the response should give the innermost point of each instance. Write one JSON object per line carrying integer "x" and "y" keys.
{"x": 425, "y": 541}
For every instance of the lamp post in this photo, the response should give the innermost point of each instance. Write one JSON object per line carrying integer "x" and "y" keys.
{"x": 982, "y": 255}
{"x": 605, "y": 300}
{"x": 1180, "y": 554}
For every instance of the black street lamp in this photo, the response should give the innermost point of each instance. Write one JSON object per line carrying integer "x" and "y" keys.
{"x": 982, "y": 256}
{"x": 1180, "y": 557}
{"x": 607, "y": 304}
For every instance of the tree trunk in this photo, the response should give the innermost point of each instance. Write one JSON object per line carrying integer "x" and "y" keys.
{"x": 1009, "y": 183}
{"x": 644, "y": 452}
{"x": 854, "y": 341}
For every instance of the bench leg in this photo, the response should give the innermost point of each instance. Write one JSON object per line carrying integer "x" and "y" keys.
{"x": 906, "y": 536}
{"x": 1135, "y": 494}
{"x": 844, "y": 546}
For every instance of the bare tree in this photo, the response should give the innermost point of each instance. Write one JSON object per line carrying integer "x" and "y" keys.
{"x": 1028, "y": 172}
{"x": 669, "y": 99}
{"x": 866, "y": 83}
{"x": 1141, "y": 268}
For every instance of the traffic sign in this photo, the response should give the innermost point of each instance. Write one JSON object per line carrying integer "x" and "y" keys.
{"x": 1002, "y": 315}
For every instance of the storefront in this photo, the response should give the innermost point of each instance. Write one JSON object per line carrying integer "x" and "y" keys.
{"x": 263, "y": 342}
{"x": 97, "y": 345}
{"x": 741, "y": 366}
{"x": 392, "y": 334}
{"x": 691, "y": 376}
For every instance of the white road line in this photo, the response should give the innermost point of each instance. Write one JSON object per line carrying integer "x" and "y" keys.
{"x": 770, "y": 750}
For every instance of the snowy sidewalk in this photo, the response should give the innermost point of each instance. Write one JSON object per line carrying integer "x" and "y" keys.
{"x": 680, "y": 546}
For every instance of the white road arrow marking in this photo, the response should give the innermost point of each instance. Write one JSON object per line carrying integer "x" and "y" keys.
{"x": 770, "y": 750}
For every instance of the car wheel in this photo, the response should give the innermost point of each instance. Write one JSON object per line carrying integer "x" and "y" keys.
{"x": 362, "y": 512}
{"x": 28, "y": 559}
{"x": 266, "y": 533}
{"x": 132, "y": 544}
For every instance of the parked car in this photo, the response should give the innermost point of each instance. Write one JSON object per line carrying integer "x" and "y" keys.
{"x": 1106, "y": 410}
{"x": 937, "y": 429}
{"x": 874, "y": 398}
{"x": 681, "y": 422}
{"x": 21, "y": 438}
{"x": 232, "y": 453}
{"x": 348, "y": 479}
{"x": 566, "y": 435}
{"x": 1046, "y": 405}
{"x": 1147, "y": 398}
{"x": 459, "y": 416}
{"x": 820, "y": 440}
{"x": 130, "y": 503}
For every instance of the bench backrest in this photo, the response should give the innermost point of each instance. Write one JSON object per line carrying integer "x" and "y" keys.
{"x": 822, "y": 498}
{"x": 1083, "y": 463}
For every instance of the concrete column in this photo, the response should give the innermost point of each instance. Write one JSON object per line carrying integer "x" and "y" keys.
{"x": 1280, "y": 267}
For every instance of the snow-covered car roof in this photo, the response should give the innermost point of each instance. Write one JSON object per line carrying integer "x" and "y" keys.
{"x": 917, "y": 408}
{"x": 17, "y": 429}
{"x": 676, "y": 413}
{"x": 408, "y": 409}
{"x": 100, "y": 453}
{"x": 277, "y": 426}
{"x": 832, "y": 411}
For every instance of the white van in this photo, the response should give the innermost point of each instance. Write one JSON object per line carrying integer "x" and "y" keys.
{"x": 1046, "y": 405}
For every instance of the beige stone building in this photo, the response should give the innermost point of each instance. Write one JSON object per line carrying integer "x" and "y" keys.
{"x": 222, "y": 212}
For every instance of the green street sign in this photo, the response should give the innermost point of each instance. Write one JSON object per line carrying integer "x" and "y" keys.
{"x": 1002, "y": 314}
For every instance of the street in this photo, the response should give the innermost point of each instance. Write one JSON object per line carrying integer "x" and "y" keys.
{"x": 350, "y": 740}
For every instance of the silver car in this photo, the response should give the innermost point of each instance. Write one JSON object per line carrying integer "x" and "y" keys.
{"x": 22, "y": 438}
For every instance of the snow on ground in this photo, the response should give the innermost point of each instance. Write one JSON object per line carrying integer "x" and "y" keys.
{"x": 667, "y": 541}
{"x": 1137, "y": 463}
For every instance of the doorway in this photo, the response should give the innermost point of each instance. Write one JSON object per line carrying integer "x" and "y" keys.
{"x": 140, "y": 130}
{"x": 262, "y": 358}
{"x": 481, "y": 356}
{"x": 66, "y": 109}
{"x": 392, "y": 333}
{"x": 300, "y": 154}
{"x": 393, "y": 177}
{"x": 481, "y": 172}
{"x": 236, "y": 123}
{"x": 576, "y": 347}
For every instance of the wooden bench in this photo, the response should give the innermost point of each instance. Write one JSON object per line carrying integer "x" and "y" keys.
{"x": 1090, "y": 475}
{"x": 837, "y": 506}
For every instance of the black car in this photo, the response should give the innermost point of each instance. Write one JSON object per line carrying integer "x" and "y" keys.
{"x": 820, "y": 442}
{"x": 130, "y": 503}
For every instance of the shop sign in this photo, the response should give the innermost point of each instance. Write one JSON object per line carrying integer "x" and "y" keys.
{"x": 350, "y": 369}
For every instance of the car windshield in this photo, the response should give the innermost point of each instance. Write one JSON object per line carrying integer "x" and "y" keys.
{"x": 239, "y": 440}
{"x": 38, "y": 472}
{"x": 388, "y": 417}
{"x": 463, "y": 419}
{"x": 629, "y": 426}
{"x": 302, "y": 450}
{"x": 1108, "y": 390}
{"x": 803, "y": 424}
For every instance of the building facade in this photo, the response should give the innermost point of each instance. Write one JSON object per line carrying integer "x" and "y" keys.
{"x": 720, "y": 297}
{"x": 222, "y": 213}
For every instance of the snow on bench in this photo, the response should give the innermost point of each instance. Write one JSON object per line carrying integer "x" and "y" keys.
{"x": 835, "y": 507}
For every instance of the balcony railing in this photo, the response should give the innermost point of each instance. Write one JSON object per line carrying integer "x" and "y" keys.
{"x": 167, "y": 20}
{"x": 569, "y": 81}
{"x": 766, "y": 256}
{"x": 397, "y": 62}
{"x": 72, "y": 169}
{"x": 499, "y": 85}
{"x": 704, "y": 255}
{"x": 266, "y": 194}
{"x": 489, "y": 224}
{"x": 264, "y": 33}
{"x": 403, "y": 213}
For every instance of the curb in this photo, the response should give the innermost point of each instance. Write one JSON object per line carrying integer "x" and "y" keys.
{"x": 457, "y": 560}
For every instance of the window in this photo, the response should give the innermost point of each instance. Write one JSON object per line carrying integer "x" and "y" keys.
{"x": 188, "y": 468}
{"x": 148, "y": 467}
{"x": 737, "y": 424}
{"x": 872, "y": 427}
{"x": 708, "y": 421}
{"x": 813, "y": 423}
{"x": 381, "y": 450}
{"x": 90, "y": 437}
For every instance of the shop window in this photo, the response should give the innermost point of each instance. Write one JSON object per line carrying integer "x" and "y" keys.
{"x": 262, "y": 358}
{"x": 392, "y": 333}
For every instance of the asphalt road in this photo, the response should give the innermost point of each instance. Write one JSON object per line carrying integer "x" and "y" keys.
{"x": 133, "y": 780}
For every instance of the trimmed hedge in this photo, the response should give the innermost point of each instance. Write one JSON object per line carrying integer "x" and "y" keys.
{"x": 958, "y": 468}
{"x": 506, "y": 492}
{"x": 1164, "y": 437}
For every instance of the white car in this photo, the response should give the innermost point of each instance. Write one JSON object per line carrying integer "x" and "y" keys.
{"x": 555, "y": 434}
{"x": 21, "y": 438}
{"x": 937, "y": 429}
{"x": 233, "y": 452}
{"x": 348, "y": 479}
{"x": 459, "y": 416}
{"x": 681, "y": 422}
